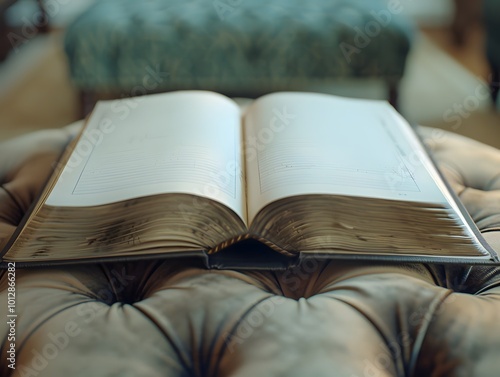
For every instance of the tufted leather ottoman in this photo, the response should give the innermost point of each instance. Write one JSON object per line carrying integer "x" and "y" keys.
{"x": 160, "y": 318}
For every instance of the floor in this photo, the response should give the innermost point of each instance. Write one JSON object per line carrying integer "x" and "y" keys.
{"x": 42, "y": 96}
{"x": 483, "y": 121}
{"x": 470, "y": 54}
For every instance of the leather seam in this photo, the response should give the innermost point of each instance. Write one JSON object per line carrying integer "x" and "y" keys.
{"x": 233, "y": 329}
{"x": 490, "y": 182}
{"x": 13, "y": 198}
{"x": 168, "y": 338}
{"x": 487, "y": 230}
{"x": 33, "y": 331}
{"x": 423, "y": 329}
{"x": 386, "y": 340}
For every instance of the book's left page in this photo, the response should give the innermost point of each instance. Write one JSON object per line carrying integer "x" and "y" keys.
{"x": 181, "y": 142}
{"x": 159, "y": 174}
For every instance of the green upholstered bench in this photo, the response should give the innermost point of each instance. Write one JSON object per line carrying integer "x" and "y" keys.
{"x": 236, "y": 47}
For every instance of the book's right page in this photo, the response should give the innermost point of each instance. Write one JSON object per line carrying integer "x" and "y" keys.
{"x": 307, "y": 143}
{"x": 316, "y": 144}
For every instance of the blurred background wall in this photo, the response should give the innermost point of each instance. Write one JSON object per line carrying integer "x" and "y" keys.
{"x": 444, "y": 72}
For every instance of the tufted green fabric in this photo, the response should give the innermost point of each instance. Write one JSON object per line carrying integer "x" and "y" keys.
{"x": 234, "y": 45}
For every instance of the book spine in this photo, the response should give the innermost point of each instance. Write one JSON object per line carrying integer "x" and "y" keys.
{"x": 247, "y": 236}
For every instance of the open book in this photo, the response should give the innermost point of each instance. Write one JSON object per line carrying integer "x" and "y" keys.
{"x": 189, "y": 173}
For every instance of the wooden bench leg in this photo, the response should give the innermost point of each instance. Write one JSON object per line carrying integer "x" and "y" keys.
{"x": 494, "y": 83}
{"x": 87, "y": 102}
{"x": 4, "y": 41}
{"x": 393, "y": 93}
{"x": 44, "y": 19}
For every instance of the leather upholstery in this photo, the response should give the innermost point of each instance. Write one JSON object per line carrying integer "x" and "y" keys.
{"x": 351, "y": 319}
